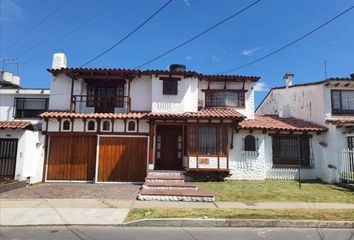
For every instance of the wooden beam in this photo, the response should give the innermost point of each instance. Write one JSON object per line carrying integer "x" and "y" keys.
{"x": 151, "y": 142}
{"x": 336, "y": 85}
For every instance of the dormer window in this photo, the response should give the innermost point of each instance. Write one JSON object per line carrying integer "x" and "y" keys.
{"x": 224, "y": 98}
{"x": 169, "y": 85}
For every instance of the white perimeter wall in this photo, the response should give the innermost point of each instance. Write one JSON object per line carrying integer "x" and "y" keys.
{"x": 30, "y": 154}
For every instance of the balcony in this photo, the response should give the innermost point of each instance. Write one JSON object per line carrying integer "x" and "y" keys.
{"x": 100, "y": 104}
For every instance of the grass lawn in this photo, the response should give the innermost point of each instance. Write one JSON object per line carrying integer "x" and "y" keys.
{"x": 293, "y": 214}
{"x": 277, "y": 191}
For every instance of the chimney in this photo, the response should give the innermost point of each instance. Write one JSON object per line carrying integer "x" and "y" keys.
{"x": 59, "y": 61}
{"x": 288, "y": 77}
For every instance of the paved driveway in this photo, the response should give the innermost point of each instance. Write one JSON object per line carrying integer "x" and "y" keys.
{"x": 75, "y": 191}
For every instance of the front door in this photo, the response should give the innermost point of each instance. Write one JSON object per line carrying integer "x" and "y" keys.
{"x": 169, "y": 148}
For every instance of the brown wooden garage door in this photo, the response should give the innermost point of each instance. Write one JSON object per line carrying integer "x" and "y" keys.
{"x": 72, "y": 158}
{"x": 122, "y": 159}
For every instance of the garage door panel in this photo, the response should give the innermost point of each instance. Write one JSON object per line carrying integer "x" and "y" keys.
{"x": 71, "y": 158}
{"x": 122, "y": 159}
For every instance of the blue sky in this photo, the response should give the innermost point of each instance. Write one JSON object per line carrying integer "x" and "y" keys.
{"x": 84, "y": 28}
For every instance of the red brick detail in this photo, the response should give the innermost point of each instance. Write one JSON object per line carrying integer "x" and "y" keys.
{"x": 177, "y": 192}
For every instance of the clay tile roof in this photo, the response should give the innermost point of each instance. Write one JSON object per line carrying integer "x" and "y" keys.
{"x": 340, "y": 121}
{"x": 204, "y": 113}
{"x": 132, "y": 115}
{"x": 134, "y": 72}
{"x": 275, "y": 123}
{"x": 16, "y": 125}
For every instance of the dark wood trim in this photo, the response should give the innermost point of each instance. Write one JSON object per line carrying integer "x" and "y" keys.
{"x": 193, "y": 123}
{"x": 112, "y": 125}
{"x": 46, "y": 150}
{"x": 72, "y": 124}
{"x": 125, "y": 125}
{"x": 71, "y": 95}
{"x": 59, "y": 124}
{"x": 151, "y": 143}
{"x": 94, "y": 133}
{"x": 224, "y": 90}
{"x": 137, "y": 125}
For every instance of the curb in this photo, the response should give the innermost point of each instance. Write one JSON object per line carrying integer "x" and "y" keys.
{"x": 258, "y": 223}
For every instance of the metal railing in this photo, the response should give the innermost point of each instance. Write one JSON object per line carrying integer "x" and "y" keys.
{"x": 101, "y": 103}
{"x": 346, "y": 165}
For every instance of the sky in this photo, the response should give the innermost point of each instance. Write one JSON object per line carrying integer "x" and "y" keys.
{"x": 32, "y": 30}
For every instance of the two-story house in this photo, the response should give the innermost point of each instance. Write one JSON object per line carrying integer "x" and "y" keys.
{"x": 21, "y": 142}
{"x": 329, "y": 103}
{"x": 114, "y": 125}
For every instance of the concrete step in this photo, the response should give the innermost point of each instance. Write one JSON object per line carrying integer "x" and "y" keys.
{"x": 164, "y": 178}
{"x": 170, "y": 185}
{"x": 176, "y": 195}
{"x": 165, "y": 172}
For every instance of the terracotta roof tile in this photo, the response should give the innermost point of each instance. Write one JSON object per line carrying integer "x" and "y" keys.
{"x": 120, "y": 71}
{"x": 340, "y": 121}
{"x": 132, "y": 115}
{"x": 16, "y": 125}
{"x": 275, "y": 123}
{"x": 205, "y": 113}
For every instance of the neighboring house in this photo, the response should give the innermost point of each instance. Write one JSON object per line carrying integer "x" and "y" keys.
{"x": 21, "y": 142}
{"x": 329, "y": 103}
{"x": 112, "y": 125}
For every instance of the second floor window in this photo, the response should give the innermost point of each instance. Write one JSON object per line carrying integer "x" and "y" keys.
{"x": 30, "y": 107}
{"x": 224, "y": 98}
{"x": 342, "y": 101}
{"x": 170, "y": 86}
{"x": 105, "y": 96}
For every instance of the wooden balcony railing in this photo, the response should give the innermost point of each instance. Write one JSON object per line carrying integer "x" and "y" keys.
{"x": 101, "y": 104}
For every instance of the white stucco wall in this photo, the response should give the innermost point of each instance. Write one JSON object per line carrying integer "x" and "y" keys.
{"x": 185, "y": 101}
{"x": 304, "y": 102}
{"x": 60, "y": 89}
{"x": 141, "y": 93}
{"x": 30, "y": 154}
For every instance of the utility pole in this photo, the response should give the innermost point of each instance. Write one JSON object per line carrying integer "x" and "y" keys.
{"x": 324, "y": 62}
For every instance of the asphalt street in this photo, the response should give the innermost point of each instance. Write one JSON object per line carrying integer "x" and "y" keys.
{"x": 134, "y": 233}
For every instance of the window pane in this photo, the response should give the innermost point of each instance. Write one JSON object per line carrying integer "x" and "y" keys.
{"x": 207, "y": 140}
{"x": 347, "y": 100}
{"x": 223, "y": 98}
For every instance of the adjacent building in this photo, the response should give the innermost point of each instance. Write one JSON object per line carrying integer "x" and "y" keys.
{"x": 21, "y": 141}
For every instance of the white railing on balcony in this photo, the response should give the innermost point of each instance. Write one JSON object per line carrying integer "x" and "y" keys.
{"x": 346, "y": 165}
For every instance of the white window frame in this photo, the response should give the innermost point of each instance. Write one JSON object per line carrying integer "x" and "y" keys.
{"x": 87, "y": 123}
{"x": 136, "y": 126}
{"x": 62, "y": 125}
{"x": 110, "y": 125}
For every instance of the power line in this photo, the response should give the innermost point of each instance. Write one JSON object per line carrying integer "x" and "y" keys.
{"x": 129, "y": 34}
{"x": 199, "y": 35}
{"x": 289, "y": 44}
{"x": 37, "y": 24}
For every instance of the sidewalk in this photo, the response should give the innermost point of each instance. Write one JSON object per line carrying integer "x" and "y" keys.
{"x": 112, "y": 212}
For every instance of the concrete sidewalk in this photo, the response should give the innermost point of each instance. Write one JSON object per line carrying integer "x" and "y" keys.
{"x": 33, "y": 212}
{"x": 111, "y": 212}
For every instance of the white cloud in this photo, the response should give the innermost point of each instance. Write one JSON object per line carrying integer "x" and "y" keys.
{"x": 215, "y": 58}
{"x": 189, "y": 58}
{"x": 260, "y": 87}
{"x": 250, "y": 52}
{"x": 12, "y": 12}
{"x": 187, "y": 3}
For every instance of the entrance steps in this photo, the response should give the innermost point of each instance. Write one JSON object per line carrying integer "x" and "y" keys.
{"x": 171, "y": 186}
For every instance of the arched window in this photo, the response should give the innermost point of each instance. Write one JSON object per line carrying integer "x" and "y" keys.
{"x": 66, "y": 125}
{"x": 106, "y": 125}
{"x": 250, "y": 143}
{"x": 91, "y": 125}
{"x": 131, "y": 126}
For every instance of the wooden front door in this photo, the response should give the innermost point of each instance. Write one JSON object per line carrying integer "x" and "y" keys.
{"x": 122, "y": 159}
{"x": 8, "y": 152}
{"x": 72, "y": 158}
{"x": 169, "y": 148}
